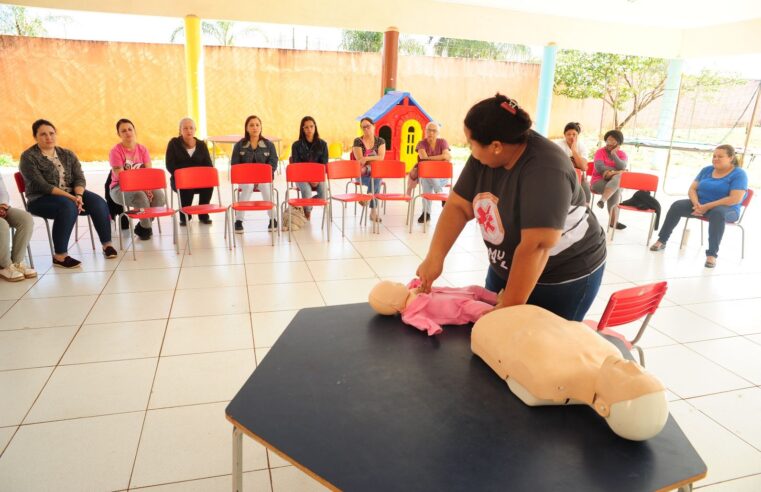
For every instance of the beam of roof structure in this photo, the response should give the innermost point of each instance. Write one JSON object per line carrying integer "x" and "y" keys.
{"x": 677, "y": 28}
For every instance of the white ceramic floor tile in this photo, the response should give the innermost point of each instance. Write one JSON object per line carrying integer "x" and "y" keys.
{"x": 41, "y": 313}
{"x": 267, "y": 327}
{"x": 725, "y": 455}
{"x": 683, "y": 325}
{"x": 279, "y": 297}
{"x": 737, "y": 354}
{"x": 395, "y": 266}
{"x": 740, "y": 316}
{"x": 290, "y": 478}
{"x": 465, "y": 262}
{"x": 747, "y": 484}
{"x": 346, "y": 291}
{"x": 213, "y": 256}
{"x": 738, "y": 411}
{"x": 754, "y": 338}
{"x": 20, "y": 389}
{"x": 187, "y": 443}
{"x": 5, "y": 306}
{"x": 277, "y": 273}
{"x": 207, "y": 334}
{"x": 100, "y": 388}
{"x": 209, "y": 302}
{"x": 20, "y": 349}
{"x": 335, "y": 249}
{"x": 689, "y": 374}
{"x": 201, "y": 378}
{"x": 148, "y": 260}
{"x": 215, "y": 276}
{"x": 142, "y": 280}
{"x": 200, "y": 239}
{"x": 372, "y": 249}
{"x": 255, "y": 481}
{"x": 131, "y": 306}
{"x": 261, "y": 353}
{"x": 81, "y": 284}
{"x": 340, "y": 269}
{"x": 116, "y": 341}
{"x": 272, "y": 254}
{"x": 6, "y": 433}
{"x": 81, "y": 454}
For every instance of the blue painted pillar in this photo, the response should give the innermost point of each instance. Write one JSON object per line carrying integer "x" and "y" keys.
{"x": 670, "y": 96}
{"x": 546, "y": 81}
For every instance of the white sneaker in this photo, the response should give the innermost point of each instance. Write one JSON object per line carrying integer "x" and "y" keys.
{"x": 26, "y": 271}
{"x": 10, "y": 274}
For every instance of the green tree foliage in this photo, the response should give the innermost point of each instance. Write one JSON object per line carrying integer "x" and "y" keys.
{"x": 628, "y": 84}
{"x": 224, "y": 33}
{"x": 365, "y": 41}
{"x": 18, "y": 21}
{"x": 468, "y": 48}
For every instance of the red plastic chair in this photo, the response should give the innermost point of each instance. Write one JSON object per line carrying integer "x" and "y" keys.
{"x": 626, "y": 306}
{"x": 346, "y": 170}
{"x": 430, "y": 169}
{"x": 389, "y": 170}
{"x": 253, "y": 174}
{"x": 21, "y": 186}
{"x": 640, "y": 182}
{"x": 590, "y": 169}
{"x": 357, "y": 183}
{"x": 146, "y": 179}
{"x": 191, "y": 178}
{"x": 309, "y": 172}
{"x": 743, "y": 208}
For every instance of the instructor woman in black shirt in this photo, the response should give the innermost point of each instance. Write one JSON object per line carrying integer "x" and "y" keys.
{"x": 544, "y": 245}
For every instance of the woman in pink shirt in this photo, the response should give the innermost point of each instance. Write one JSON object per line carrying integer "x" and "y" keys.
{"x": 128, "y": 154}
{"x": 610, "y": 162}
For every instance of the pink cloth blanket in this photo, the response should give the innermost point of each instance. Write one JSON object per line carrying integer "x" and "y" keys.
{"x": 447, "y": 306}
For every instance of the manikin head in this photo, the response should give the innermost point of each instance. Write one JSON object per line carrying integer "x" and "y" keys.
{"x": 388, "y": 297}
{"x": 632, "y": 401}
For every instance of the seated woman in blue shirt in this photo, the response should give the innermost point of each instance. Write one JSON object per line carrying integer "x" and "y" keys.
{"x": 716, "y": 194}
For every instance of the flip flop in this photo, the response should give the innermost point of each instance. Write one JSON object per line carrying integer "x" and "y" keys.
{"x": 658, "y": 248}
{"x": 710, "y": 263}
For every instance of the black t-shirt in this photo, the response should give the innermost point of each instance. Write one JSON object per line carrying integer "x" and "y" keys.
{"x": 540, "y": 191}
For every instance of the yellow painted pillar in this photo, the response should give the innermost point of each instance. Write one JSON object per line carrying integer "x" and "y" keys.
{"x": 194, "y": 79}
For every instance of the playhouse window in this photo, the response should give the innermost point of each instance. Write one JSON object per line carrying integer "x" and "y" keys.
{"x": 385, "y": 134}
{"x": 410, "y": 141}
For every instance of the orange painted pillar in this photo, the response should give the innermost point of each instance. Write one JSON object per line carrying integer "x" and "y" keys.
{"x": 390, "y": 58}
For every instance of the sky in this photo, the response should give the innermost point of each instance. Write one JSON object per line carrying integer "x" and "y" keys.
{"x": 146, "y": 29}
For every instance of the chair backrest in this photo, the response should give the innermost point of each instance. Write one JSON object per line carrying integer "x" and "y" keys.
{"x": 639, "y": 181}
{"x": 335, "y": 150}
{"x": 21, "y": 186}
{"x": 631, "y": 304}
{"x": 590, "y": 168}
{"x": 189, "y": 178}
{"x": 744, "y": 204}
{"x": 388, "y": 169}
{"x": 250, "y": 173}
{"x": 305, "y": 171}
{"x": 343, "y": 170}
{"x": 434, "y": 169}
{"x": 142, "y": 179}
{"x": 579, "y": 174}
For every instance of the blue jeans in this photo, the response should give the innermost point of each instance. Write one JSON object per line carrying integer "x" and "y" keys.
{"x": 376, "y": 184}
{"x": 570, "y": 300}
{"x": 431, "y": 185}
{"x": 63, "y": 213}
{"x": 306, "y": 192}
{"x": 717, "y": 219}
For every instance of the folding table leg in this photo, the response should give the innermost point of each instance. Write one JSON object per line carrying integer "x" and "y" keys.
{"x": 237, "y": 460}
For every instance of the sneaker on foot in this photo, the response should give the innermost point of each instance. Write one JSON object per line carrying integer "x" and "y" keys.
{"x": 67, "y": 262}
{"x": 124, "y": 221}
{"x": 144, "y": 233}
{"x": 308, "y": 214}
{"x": 600, "y": 203}
{"x": 25, "y": 270}
{"x": 272, "y": 226}
{"x": 424, "y": 217}
{"x": 10, "y": 274}
{"x": 239, "y": 226}
{"x": 619, "y": 226}
{"x": 109, "y": 252}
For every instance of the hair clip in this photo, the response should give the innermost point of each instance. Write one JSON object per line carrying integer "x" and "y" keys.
{"x": 509, "y": 106}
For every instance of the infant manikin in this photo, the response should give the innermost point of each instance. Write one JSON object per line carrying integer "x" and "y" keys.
{"x": 427, "y": 312}
{"x": 547, "y": 360}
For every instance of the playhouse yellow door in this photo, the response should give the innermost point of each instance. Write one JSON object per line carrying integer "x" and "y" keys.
{"x": 411, "y": 134}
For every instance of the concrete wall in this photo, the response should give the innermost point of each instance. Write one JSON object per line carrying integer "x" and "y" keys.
{"x": 83, "y": 87}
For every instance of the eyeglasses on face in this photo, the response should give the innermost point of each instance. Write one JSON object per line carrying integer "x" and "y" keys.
{"x": 365, "y": 127}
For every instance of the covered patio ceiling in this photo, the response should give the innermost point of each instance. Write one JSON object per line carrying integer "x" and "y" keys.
{"x": 669, "y": 29}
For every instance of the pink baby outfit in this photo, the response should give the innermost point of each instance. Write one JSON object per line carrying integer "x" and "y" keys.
{"x": 447, "y": 306}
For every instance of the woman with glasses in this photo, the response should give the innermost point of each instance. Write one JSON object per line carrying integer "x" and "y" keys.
{"x": 431, "y": 148}
{"x": 366, "y": 149}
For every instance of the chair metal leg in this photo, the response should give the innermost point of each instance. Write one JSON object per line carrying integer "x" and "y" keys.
{"x": 701, "y": 233}
{"x": 650, "y": 231}
{"x": 50, "y": 237}
{"x": 131, "y": 231}
{"x": 684, "y": 231}
{"x": 187, "y": 226}
{"x": 742, "y": 243}
{"x": 641, "y": 355}
{"x": 411, "y": 211}
{"x": 92, "y": 239}
{"x": 158, "y": 223}
{"x": 237, "y": 460}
